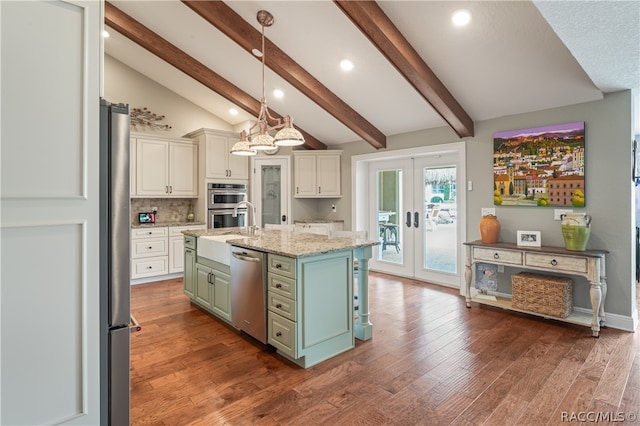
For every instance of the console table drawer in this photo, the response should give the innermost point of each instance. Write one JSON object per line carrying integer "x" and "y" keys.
{"x": 555, "y": 262}
{"x": 490, "y": 255}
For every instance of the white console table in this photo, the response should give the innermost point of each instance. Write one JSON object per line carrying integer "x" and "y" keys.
{"x": 589, "y": 264}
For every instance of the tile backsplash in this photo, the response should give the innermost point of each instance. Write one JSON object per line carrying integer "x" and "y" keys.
{"x": 170, "y": 210}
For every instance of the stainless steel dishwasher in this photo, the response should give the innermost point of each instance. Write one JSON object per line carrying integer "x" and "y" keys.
{"x": 249, "y": 292}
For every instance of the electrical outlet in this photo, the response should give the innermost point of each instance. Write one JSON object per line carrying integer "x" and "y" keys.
{"x": 559, "y": 212}
{"x": 333, "y": 208}
{"x": 488, "y": 211}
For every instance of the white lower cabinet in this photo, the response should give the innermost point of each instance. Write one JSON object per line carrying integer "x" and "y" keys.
{"x": 322, "y": 228}
{"x": 157, "y": 251}
{"x": 149, "y": 252}
{"x": 176, "y": 246}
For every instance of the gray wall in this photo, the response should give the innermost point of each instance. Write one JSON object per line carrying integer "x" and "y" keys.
{"x": 609, "y": 188}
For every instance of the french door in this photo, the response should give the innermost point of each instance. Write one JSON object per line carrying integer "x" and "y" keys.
{"x": 414, "y": 205}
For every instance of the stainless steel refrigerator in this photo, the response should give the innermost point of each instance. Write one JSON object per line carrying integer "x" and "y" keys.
{"x": 115, "y": 290}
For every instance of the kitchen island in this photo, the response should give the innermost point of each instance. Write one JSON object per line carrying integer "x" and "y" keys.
{"x": 309, "y": 290}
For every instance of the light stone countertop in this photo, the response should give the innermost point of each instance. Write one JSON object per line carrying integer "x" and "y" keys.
{"x": 318, "y": 221}
{"x": 287, "y": 243}
{"x": 168, "y": 224}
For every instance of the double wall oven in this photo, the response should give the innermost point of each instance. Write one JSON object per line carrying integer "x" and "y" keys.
{"x": 222, "y": 198}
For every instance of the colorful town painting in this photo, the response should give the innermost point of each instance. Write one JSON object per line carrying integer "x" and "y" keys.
{"x": 542, "y": 166}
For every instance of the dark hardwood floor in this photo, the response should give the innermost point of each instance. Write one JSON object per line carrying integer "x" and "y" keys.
{"x": 431, "y": 361}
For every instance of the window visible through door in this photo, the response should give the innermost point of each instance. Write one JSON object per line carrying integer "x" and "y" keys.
{"x": 413, "y": 207}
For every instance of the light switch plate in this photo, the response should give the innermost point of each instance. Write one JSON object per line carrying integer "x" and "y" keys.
{"x": 558, "y": 212}
{"x": 488, "y": 210}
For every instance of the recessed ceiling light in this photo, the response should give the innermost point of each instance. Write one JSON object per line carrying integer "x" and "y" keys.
{"x": 105, "y": 33}
{"x": 256, "y": 53}
{"x": 461, "y": 17}
{"x": 233, "y": 111}
{"x": 279, "y": 94}
{"x": 346, "y": 65}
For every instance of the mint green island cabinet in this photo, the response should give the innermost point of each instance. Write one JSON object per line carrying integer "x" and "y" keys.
{"x": 206, "y": 282}
{"x": 309, "y": 290}
{"x": 310, "y": 306}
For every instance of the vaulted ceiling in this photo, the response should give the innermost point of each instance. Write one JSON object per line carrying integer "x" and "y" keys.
{"x": 413, "y": 69}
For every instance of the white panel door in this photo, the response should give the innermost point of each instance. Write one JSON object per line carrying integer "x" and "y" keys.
{"x": 183, "y": 169}
{"x": 305, "y": 175}
{"x": 152, "y": 167}
{"x": 49, "y": 230}
{"x": 328, "y": 175}
{"x": 176, "y": 254}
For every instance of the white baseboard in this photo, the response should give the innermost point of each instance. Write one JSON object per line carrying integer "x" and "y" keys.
{"x": 156, "y": 278}
{"x": 620, "y": 322}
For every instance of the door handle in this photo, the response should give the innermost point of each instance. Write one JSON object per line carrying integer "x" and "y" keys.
{"x": 408, "y": 220}
{"x": 416, "y": 223}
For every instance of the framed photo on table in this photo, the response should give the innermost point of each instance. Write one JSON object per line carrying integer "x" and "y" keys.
{"x": 529, "y": 238}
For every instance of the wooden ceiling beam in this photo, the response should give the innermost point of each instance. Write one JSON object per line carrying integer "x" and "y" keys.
{"x": 233, "y": 26}
{"x": 169, "y": 53}
{"x": 376, "y": 25}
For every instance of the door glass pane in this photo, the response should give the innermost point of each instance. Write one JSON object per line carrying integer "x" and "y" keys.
{"x": 440, "y": 239}
{"x": 271, "y": 193}
{"x": 389, "y": 192}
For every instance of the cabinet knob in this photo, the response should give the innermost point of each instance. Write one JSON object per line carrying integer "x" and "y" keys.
{"x": 278, "y": 305}
{"x": 496, "y": 256}
{"x": 150, "y": 247}
{"x": 278, "y": 285}
{"x": 149, "y": 267}
{"x": 150, "y": 232}
{"x": 554, "y": 262}
{"x": 278, "y": 334}
{"x": 278, "y": 266}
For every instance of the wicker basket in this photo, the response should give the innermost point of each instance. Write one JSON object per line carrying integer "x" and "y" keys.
{"x": 543, "y": 294}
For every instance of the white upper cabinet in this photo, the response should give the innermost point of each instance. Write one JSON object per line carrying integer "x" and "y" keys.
{"x": 219, "y": 163}
{"x": 165, "y": 167}
{"x": 317, "y": 174}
